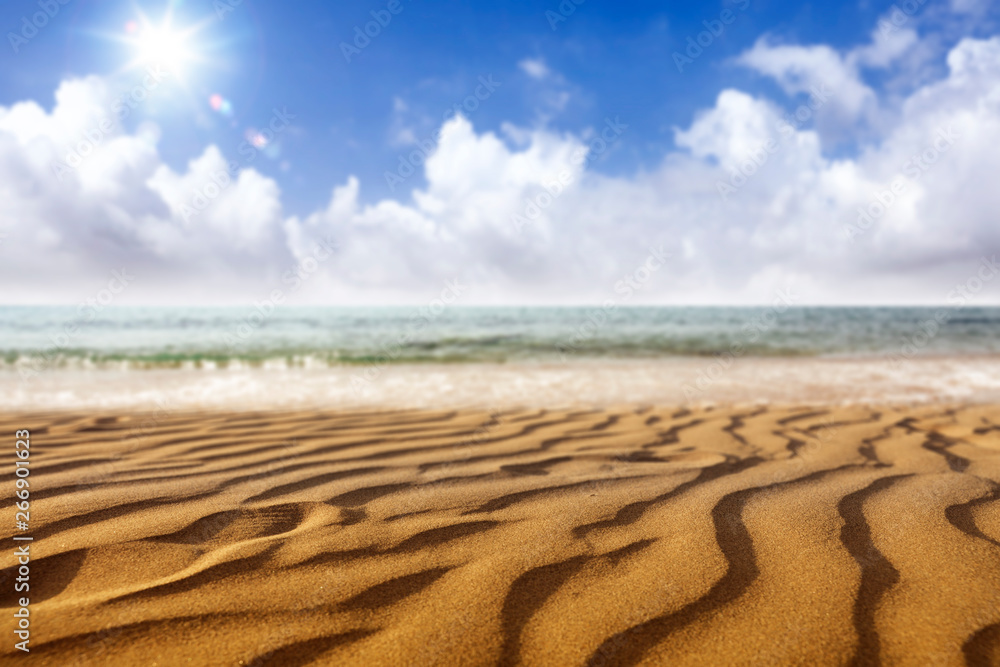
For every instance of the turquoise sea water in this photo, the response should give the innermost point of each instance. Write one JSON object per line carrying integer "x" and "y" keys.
{"x": 165, "y": 337}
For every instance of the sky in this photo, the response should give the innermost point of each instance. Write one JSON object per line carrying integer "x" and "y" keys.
{"x": 387, "y": 151}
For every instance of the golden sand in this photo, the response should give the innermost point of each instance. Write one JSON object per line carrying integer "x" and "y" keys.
{"x": 850, "y": 535}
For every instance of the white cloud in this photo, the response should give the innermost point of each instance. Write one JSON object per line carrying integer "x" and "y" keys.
{"x": 401, "y": 133}
{"x": 552, "y": 93}
{"x": 124, "y": 207}
{"x": 969, "y": 6}
{"x": 888, "y": 45}
{"x": 535, "y": 68}
{"x": 808, "y": 69}
{"x": 80, "y": 197}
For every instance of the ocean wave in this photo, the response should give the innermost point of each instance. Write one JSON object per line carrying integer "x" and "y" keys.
{"x": 162, "y": 338}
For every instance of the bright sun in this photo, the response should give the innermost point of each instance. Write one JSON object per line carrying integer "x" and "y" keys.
{"x": 163, "y": 46}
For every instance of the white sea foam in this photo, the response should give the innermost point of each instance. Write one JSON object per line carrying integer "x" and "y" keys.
{"x": 677, "y": 381}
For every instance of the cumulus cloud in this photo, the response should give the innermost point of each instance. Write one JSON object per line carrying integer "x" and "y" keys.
{"x": 750, "y": 203}
{"x": 81, "y": 197}
{"x": 895, "y": 47}
{"x": 888, "y": 45}
{"x": 817, "y": 70}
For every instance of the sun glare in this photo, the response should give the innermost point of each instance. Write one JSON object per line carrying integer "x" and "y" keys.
{"x": 163, "y": 46}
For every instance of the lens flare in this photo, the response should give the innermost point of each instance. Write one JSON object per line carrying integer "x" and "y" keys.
{"x": 220, "y": 104}
{"x": 256, "y": 139}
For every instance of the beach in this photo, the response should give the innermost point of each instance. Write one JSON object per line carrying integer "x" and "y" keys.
{"x": 619, "y": 534}
{"x": 546, "y": 334}
{"x": 505, "y": 487}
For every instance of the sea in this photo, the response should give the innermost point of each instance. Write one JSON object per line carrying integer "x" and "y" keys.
{"x": 208, "y": 337}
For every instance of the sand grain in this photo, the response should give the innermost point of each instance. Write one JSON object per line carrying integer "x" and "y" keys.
{"x": 744, "y": 535}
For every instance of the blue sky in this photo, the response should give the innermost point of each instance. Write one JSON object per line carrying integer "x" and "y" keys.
{"x": 353, "y": 120}
{"x": 613, "y": 59}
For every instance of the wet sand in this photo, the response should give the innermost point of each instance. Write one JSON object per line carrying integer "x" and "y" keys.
{"x": 576, "y": 383}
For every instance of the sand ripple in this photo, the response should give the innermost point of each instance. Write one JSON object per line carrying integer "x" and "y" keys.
{"x": 759, "y": 535}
